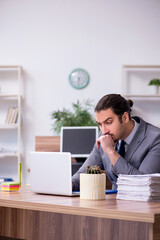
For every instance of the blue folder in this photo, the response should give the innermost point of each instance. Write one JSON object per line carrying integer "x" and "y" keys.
{"x": 111, "y": 191}
{"x": 107, "y": 191}
{"x": 3, "y": 179}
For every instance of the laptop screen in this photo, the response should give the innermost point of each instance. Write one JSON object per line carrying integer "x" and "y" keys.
{"x": 79, "y": 141}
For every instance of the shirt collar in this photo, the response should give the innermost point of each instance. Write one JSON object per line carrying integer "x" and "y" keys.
{"x": 131, "y": 135}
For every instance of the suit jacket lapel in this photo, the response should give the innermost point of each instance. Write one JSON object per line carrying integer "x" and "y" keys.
{"x": 139, "y": 136}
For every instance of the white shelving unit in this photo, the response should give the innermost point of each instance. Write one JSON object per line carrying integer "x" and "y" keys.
{"x": 10, "y": 133}
{"x": 135, "y": 81}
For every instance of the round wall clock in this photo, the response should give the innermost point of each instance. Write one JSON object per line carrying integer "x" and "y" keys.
{"x": 79, "y": 78}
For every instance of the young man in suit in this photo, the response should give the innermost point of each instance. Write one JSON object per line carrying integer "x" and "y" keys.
{"x": 126, "y": 145}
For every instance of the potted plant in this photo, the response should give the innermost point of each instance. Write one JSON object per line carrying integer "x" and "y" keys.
{"x": 80, "y": 116}
{"x": 155, "y": 83}
{"x": 93, "y": 183}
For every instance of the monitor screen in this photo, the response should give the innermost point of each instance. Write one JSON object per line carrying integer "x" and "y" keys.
{"x": 79, "y": 141}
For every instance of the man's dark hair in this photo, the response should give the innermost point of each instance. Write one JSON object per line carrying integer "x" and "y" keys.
{"x": 117, "y": 103}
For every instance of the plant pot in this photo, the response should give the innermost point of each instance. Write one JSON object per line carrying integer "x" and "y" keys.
{"x": 92, "y": 186}
{"x": 154, "y": 89}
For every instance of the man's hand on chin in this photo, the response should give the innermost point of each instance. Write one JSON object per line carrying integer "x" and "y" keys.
{"x": 107, "y": 143}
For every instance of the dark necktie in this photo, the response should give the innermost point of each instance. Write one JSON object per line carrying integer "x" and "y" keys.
{"x": 121, "y": 149}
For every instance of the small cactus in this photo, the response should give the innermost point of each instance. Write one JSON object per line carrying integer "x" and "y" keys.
{"x": 93, "y": 169}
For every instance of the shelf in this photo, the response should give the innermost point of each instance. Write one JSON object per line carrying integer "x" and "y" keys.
{"x": 10, "y": 111}
{"x": 9, "y": 96}
{"x": 8, "y": 126}
{"x": 143, "y": 97}
{"x": 135, "y": 81}
{"x": 142, "y": 66}
{"x": 8, "y": 155}
{"x": 11, "y": 67}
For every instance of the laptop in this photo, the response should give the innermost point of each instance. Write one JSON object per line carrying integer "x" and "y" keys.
{"x": 51, "y": 173}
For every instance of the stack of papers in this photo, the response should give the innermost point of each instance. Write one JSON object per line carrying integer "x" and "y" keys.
{"x": 139, "y": 187}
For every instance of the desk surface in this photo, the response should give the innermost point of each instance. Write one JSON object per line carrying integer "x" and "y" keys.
{"x": 108, "y": 208}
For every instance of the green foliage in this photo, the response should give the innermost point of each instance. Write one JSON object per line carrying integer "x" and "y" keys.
{"x": 79, "y": 117}
{"x": 93, "y": 169}
{"x": 155, "y": 81}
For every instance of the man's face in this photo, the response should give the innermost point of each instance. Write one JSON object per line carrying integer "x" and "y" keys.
{"x": 109, "y": 123}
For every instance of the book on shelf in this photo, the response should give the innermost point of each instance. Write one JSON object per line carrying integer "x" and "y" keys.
{"x": 12, "y": 115}
{"x": 15, "y": 116}
{"x": 9, "y": 115}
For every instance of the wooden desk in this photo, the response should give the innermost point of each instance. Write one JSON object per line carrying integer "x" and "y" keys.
{"x": 25, "y": 215}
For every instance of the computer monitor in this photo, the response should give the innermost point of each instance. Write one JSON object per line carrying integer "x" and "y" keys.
{"x": 79, "y": 141}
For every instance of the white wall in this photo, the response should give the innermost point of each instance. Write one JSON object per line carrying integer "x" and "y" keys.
{"x": 50, "y": 38}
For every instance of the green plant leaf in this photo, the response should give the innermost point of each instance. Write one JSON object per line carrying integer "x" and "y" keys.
{"x": 80, "y": 116}
{"x": 154, "y": 81}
